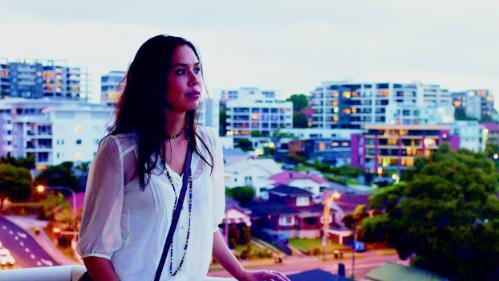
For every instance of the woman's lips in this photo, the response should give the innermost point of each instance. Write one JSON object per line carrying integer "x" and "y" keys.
{"x": 193, "y": 94}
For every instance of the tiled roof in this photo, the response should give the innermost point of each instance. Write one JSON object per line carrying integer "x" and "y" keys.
{"x": 316, "y": 275}
{"x": 491, "y": 126}
{"x": 348, "y": 202}
{"x": 277, "y": 207}
{"x": 287, "y": 176}
{"x": 290, "y": 190}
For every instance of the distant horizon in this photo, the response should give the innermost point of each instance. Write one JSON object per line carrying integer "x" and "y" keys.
{"x": 285, "y": 46}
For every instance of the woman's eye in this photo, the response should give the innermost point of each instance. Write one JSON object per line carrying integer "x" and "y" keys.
{"x": 180, "y": 72}
{"x": 197, "y": 70}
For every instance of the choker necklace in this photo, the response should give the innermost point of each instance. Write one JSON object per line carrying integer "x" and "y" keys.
{"x": 175, "y": 136}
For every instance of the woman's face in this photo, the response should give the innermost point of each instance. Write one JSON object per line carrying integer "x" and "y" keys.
{"x": 184, "y": 80}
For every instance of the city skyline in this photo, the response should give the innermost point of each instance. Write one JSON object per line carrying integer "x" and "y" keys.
{"x": 284, "y": 45}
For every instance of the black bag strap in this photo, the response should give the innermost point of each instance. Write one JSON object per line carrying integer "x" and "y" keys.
{"x": 176, "y": 213}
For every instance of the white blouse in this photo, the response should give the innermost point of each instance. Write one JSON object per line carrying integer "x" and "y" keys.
{"x": 129, "y": 226}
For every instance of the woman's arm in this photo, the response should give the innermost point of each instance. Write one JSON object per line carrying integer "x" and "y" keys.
{"x": 100, "y": 269}
{"x": 224, "y": 256}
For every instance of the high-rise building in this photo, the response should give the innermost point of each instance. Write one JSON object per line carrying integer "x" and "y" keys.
{"x": 477, "y": 104}
{"x": 208, "y": 113}
{"x": 233, "y": 94}
{"x": 112, "y": 85}
{"x": 38, "y": 79}
{"x": 351, "y": 105}
{"x": 257, "y": 113}
{"x": 52, "y": 131}
{"x": 384, "y": 147}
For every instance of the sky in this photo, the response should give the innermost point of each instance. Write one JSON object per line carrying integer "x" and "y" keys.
{"x": 288, "y": 46}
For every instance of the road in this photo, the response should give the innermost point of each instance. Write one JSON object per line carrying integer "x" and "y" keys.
{"x": 22, "y": 246}
{"x": 364, "y": 263}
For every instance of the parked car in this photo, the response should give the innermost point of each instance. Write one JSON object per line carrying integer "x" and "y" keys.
{"x": 359, "y": 247}
{"x": 6, "y": 259}
{"x": 338, "y": 253}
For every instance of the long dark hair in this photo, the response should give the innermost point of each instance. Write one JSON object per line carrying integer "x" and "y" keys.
{"x": 141, "y": 107}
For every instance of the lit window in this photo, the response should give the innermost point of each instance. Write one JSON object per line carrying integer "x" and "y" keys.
{"x": 78, "y": 155}
{"x": 347, "y": 94}
{"x": 302, "y": 201}
{"x": 78, "y": 129}
{"x": 286, "y": 220}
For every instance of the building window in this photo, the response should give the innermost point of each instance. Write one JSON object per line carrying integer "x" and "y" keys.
{"x": 248, "y": 180}
{"x": 302, "y": 201}
{"x": 286, "y": 220}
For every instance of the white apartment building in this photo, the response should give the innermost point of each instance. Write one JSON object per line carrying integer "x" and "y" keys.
{"x": 112, "y": 85}
{"x": 257, "y": 113}
{"x": 52, "y": 131}
{"x": 234, "y": 94}
{"x": 471, "y": 134}
{"x": 311, "y": 133}
{"x": 351, "y": 105}
{"x": 208, "y": 113}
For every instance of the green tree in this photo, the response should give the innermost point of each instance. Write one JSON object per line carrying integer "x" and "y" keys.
{"x": 15, "y": 183}
{"x": 27, "y": 162}
{"x": 245, "y": 144}
{"x": 256, "y": 134}
{"x": 222, "y": 119}
{"x": 58, "y": 175}
{"x": 300, "y": 101}
{"x": 243, "y": 194}
{"x": 300, "y": 120}
{"x": 446, "y": 216}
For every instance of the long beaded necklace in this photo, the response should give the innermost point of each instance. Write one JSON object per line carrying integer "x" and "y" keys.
{"x": 186, "y": 245}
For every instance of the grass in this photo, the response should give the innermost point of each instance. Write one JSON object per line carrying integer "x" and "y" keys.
{"x": 257, "y": 251}
{"x": 311, "y": 245}
{"x": 352, "y": 182}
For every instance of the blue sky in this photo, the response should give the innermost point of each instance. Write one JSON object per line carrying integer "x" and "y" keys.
{"x": 290, "y": 46}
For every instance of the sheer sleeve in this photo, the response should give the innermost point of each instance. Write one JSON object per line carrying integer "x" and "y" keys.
{"x": 100, "y": 231}
{"x": 218, "y": 181}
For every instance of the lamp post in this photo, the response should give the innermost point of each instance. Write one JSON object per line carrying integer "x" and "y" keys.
{"x": 41, "y": 188}
{"x": 328, "y": 201}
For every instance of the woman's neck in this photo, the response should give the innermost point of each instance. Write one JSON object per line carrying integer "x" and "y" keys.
{"x": 175, "y": 123}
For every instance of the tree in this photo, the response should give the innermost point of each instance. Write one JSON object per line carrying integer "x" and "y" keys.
{"x": 222, "y": 119}
{"x": 245, "y": 144}
{"x": 15, "y": 183}
{"x": 446, "y": 216}
{"x": 300, "y": 120}
{"x": 300, "y": 101}
{"x": 243, "y": 194}
{"x": 28, "y": 162}
{"x": 59, "y": 175}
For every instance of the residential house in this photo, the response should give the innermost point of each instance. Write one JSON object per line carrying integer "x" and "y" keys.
{"x": 308, "y": 181}
{"x": 289, "y": 211}
{"x": 251, "y": 172}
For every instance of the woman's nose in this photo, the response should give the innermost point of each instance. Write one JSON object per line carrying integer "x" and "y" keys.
{"x": 193, "y": 78}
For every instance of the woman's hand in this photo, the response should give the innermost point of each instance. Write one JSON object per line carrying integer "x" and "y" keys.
{"x": 263, "y": 275}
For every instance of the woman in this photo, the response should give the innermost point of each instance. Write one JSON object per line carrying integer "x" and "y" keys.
{"x": 137, "y": 174}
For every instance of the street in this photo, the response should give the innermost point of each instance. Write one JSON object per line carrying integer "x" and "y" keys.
{"x": 22, "y": 247}
{"x": 364, "y": 262}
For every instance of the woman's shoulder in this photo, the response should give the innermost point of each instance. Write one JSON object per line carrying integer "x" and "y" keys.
{"x": 124, "y": 143}
{"x": 206, "y": 134}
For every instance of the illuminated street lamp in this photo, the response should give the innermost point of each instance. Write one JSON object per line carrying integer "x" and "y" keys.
{"x": 41, "y": 189}
{"x": 328, "y": 202}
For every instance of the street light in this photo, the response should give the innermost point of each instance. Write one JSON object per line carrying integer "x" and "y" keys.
{"x": 328, "y": 202}
{"x": 41, "y": 189}
{"x": 57, "y": 231}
